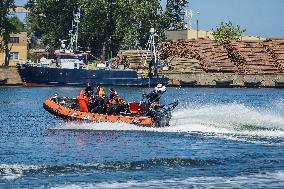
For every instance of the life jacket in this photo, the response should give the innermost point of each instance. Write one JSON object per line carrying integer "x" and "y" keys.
{"x": 121, "y": 101}
{"x": 89, "y": 91}
{"x": 116, "y": 98}
{"x": 102, "y": 93}
{"x": 112, "y": 101}
{"x": 83, "y": 101}
{"x": 113, "y": 93}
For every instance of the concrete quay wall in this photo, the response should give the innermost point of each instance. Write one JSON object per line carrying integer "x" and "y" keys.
{"x": 11, "y": 74}
{"x": 225, "y": 80}
{"x": 189, "y": 79}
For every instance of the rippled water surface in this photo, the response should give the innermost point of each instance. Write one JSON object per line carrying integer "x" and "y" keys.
{"x": 218, "y": 138}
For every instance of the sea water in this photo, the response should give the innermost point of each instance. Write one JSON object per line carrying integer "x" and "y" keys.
{"x": 217, "y": 138}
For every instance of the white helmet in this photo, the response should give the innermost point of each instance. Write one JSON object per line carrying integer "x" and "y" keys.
{"x": 160, "y": 88}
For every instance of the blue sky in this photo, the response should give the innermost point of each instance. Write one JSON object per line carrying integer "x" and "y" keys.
{"x": 259, "y": 17}
{"x": 263, "y": 18}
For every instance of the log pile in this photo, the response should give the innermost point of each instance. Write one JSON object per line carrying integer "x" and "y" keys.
{"x": 204, "y": 55}
{"x": 211, "y": 56}
{"x": 257, "y": 60}
{"x": 134, "y": 59}
{"x": 184, "y": 65}
{"x": 215, "y": 56}
{"x": 183, "y": 51}
{"x": 235, "y": 56}
{"x": 275, "y": 48}
{"x": 227, "y": 57}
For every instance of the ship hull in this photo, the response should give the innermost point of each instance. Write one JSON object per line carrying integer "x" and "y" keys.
{"x": 46, "y": 76}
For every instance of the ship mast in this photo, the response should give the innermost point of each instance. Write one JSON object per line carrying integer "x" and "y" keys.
{"x": 188, "y": 19}
{"x": 151, "y": 46}
{"x": 73, "y": 45}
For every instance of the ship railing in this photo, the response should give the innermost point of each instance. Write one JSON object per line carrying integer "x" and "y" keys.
{"x": 37, "y": 64}
{"x": 146, "y": 76}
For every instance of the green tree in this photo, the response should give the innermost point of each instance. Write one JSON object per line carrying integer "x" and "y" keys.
{"x": 173, "y": 16}
{"x": 17, "y": 23}
{"x": 120, "y": 24}
{"x": 6, "y": 28}
{"x": 227, "y": 31}
{"x": 106, "y": 25}
{"x": 50, "y": 20}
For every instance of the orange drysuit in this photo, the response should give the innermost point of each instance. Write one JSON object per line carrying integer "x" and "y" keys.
{"x": 83, "y": 101}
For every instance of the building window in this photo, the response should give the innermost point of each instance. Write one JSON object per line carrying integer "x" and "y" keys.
{"x": 14, "y": 56}
{"x": 14, "y": 40}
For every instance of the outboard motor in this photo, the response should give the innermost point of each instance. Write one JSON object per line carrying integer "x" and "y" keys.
{"x": 150, "y": 106}
{"x": 163, "y": 114}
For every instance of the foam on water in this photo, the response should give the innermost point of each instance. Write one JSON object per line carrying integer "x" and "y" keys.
{"x": 259, "y": 180}
{"x": 14, "y": 171}
{"x": 228, "y": 120}
{"x": 264, "y": 180}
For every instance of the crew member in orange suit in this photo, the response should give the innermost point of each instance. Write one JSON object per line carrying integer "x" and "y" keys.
{"x": 83, "y": 101}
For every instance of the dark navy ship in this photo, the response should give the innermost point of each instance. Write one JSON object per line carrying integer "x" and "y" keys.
{"x": 79, "y": 75}
{"x": 69, "y": 68}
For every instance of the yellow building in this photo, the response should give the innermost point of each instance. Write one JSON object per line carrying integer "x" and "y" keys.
{"x": 19, "y": 49}
{"x": 194, "y": 34}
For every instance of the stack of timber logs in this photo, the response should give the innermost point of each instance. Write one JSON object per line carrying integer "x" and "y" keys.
{"x": 211, "y": 56}
{"x": 184, "y": 51}
{"x": 257, "y": 60}
{"x": 204, "y": 55}
{"x": 235, "y": 56}
{"x": 135, "y": 59}
{"x": 275, "y": 48}
{"x": 215, "y": 56}
{"x": 228, "y": 57}
{"x": 184, "y": 65}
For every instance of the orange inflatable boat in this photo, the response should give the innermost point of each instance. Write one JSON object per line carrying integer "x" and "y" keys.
{"x": 143, "y": 114}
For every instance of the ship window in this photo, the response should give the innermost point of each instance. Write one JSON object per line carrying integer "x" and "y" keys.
{"x": 14, "y": 40}
{"x": 14, "y": 56}
{"x": 71, "y": 57}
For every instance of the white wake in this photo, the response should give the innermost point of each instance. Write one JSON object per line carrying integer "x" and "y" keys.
{"x": 229, "y": 119}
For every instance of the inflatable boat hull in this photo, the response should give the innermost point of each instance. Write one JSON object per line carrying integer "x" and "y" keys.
{"x": 71, "y": 114}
